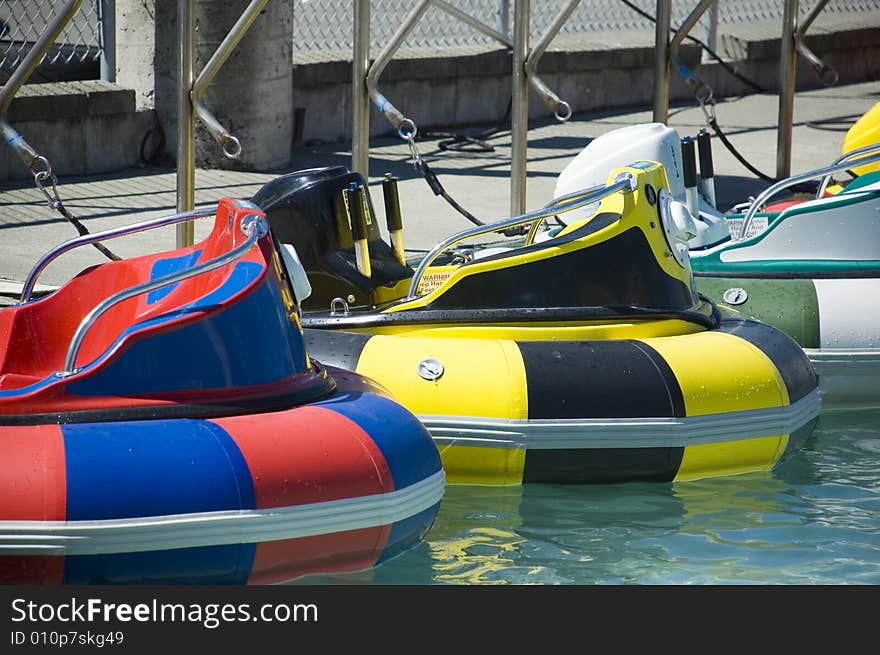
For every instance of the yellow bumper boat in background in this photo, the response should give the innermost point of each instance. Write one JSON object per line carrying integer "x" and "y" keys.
{"x": 585, "y": 357}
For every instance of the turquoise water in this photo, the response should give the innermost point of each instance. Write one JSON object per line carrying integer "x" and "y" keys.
{"x": 815, "y": 519}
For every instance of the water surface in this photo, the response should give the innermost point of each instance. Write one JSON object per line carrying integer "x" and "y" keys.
{"x": 815, "y": 519}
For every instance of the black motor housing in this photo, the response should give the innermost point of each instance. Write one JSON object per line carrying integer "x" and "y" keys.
{"x": 308, "y": 209}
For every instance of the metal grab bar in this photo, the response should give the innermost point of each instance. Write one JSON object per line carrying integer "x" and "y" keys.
{"x": 87, "y": 239}
{"x": 231, "y": 145}
{"x": 846, "y": 157}
{"x": 827, "y": 74}
{"x": 773, "y": 189}
{"x": 561, "y": 109}
{"x": 698, "y": 87}
{"x": 392, "y": 114}
{"x": 405, "y": 125}
{"x": 626, "y": 183}
{"x": 20, "y": 75}
{"x": 254, "y": 226}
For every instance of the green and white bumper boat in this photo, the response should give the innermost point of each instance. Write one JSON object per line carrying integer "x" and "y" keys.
{"x": 812, "y": 270}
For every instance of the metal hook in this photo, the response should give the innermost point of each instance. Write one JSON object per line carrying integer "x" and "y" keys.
{"x": 562, "y": 111}
{"x": 709, "y": 112}
{"x": 231, "y": 147}
{"x": 414, "y": 151}
{"x": 407, "y": 129}
{"x": 52, "y": 199}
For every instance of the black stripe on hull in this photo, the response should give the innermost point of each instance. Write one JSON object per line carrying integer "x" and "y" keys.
{"x": 598, "y": 379}
{"x": 602, "y": 465}
{"x": 790, "y": 360}
{"x": 340, "y": 349}
{"x": 310, "y": 394}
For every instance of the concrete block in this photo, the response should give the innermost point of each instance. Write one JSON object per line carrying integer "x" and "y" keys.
{"x": 326, "y": 113}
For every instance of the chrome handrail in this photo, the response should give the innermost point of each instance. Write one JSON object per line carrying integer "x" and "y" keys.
{"x": 625, "y": 183}
{"x": 254, "y": 226}
{"x": 845, "y": 157}
{"x": 87, "y": 239}
{"x": 773, "y": 189}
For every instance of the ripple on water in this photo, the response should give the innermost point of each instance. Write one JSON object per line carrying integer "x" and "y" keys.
{"x": 813, "y": 520}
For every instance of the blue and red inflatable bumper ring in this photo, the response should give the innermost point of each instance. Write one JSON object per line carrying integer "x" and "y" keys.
{"x": 161, "y": 422}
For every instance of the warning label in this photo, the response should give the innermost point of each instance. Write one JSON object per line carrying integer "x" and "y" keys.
{"x": 758, "y": 225}
{"x": 431, "y": 281}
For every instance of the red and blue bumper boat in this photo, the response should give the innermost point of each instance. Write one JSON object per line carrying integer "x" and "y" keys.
{"x": 161, "y": 422}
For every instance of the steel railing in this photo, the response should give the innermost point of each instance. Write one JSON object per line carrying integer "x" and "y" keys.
{"x": 624, "y": 183}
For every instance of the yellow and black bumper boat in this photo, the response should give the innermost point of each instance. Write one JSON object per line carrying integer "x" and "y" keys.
{"x": 585, "y": 357}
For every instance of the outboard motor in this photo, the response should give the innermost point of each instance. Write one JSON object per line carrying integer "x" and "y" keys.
{"x": 644, "y": 142}
{"x": 339, "y": 245}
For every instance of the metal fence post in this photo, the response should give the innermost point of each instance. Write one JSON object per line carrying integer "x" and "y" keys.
{"x": 661, "y": 61}
{"x": 711, "y": 32}
{"x": 360, "y": 98}
{"x": 787, "y": 71}
{"x": 185, "y": 124}
{"x": 519, "y": 108}
{"x": 107, "y": 39}
{"x": 504, "y": 16}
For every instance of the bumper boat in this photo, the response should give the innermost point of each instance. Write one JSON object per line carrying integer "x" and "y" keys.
{"x": 161, "y": 422}
{"x": 802, "y": 265}
{"x": 583, "y": 357}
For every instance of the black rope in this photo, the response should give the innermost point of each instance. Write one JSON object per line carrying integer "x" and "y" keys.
{"x": 733, "y": 151}
{"x": 807, "y": 186}
{"x": 730, "y": 69}
{"x": 83, "y": 231}
{"x": 472, "y": 143}
{"x": 464, "y": 143}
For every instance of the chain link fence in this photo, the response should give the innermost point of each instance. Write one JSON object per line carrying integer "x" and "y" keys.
{"x": 23, "y": 21}
{"x": 326, "y": 25}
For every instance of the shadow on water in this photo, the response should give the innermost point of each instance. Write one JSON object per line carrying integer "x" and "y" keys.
{"x": 814, "y": 520}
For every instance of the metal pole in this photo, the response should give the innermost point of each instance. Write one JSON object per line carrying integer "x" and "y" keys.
{"x": 504, "y": 16}
{"x": 19, "y": 76}
{"x": 827, "y": 74}
{"x": 231, "y": 145}
{"x": 561, "y": 109}
{"x": 787, "y": 70}
{"x": 394, "y": 116}
{"x": 32, "y": 59}
{"x": 360, "y": 99}
{"x": 519, "y": 108}
{"x": 107, "y": 9}
{"x": 185, "y": 124}
{"x": 711, "y": 34}
{"x": 467, "y": 19}
{"x": 661, "y": 61}
{"x": 685, "y": 28}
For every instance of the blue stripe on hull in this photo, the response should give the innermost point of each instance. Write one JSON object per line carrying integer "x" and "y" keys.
{"x": 153, "y": 468}
{"x": 251, "y": 342}
{"x": 166, "y": 266}
{"x": 208, "y": 565}
{"x": 394, "y": 430}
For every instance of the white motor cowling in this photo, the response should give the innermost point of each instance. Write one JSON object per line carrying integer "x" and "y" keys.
{"x": 643, "y": 142}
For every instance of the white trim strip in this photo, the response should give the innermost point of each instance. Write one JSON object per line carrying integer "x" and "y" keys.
{"x": 218, "y": 528}
{"x": 844, "y": 356}
{"x": 645, "y": 432}
{"x": 848, "y": 377}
